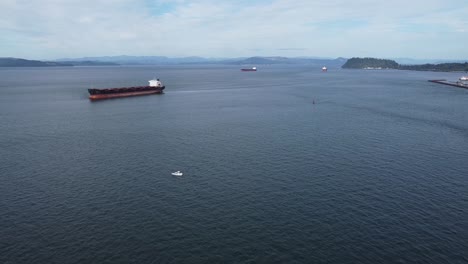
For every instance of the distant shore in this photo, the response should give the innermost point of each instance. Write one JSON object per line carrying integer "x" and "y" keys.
{"x": 17, "y": 62}
{"x": 353, "y": 63}
{"x": 379, "y": 64}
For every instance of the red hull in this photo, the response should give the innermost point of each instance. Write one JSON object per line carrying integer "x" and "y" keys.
{"x": 95, "y": 97}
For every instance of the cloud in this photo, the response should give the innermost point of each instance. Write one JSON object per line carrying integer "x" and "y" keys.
{"x": 53, "y": 28}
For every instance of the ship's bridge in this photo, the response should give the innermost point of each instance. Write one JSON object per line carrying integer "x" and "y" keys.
{"x": 155, "y": 83}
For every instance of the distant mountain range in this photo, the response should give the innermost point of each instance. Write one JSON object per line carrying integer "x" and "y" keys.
{"x": 142, "y": 60}
{"x": 91, "y": 63}
{"x": 162, "y": 60}
{"x": 16, "y": 62}
{"x": 331, "y": 63}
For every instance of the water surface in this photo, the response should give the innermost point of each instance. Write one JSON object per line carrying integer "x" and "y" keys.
{"x": 282, "y": 165}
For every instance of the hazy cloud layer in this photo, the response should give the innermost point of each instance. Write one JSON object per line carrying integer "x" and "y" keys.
{"x": 49, "y": 29}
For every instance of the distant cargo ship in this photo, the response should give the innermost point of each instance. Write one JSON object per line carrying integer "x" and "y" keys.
{"x": 154, "y": 87}
{"x": 462, "y": 82}
{"x": 250, "y": 69}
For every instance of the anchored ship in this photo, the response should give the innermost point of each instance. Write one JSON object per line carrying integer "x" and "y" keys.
{"x": 462, "y": 82}
{"x": 249, "y": 69}
{"x": 154, "y": 87}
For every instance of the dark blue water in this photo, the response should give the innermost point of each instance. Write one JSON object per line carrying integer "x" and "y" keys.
{"x": 283, "y": 165}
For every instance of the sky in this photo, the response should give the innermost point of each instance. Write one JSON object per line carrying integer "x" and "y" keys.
{"x": 52, "y": 29}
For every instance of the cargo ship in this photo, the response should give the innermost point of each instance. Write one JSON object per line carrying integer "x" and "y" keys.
{"x": 461, "y": 83}
{"x": 249, "y": 69}
{"x": 154, "y": 87}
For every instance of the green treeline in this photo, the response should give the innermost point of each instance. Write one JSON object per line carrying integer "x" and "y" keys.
{"x": 373, "y": 63}
{"x": 446, "y": 67}
{"x": 362, "y": 63}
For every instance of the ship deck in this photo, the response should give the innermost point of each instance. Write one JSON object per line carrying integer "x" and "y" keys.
{"x": 445, "y": 82}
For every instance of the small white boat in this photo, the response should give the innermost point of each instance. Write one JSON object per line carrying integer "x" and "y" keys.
{"x": 177, "y": 173}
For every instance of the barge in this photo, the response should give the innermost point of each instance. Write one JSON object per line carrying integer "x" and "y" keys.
{"x": 154, "y": 87}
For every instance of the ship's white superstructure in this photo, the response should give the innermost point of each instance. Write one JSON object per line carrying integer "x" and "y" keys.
{"x": 463, "y": 81}
{"x": 155, "y": 83}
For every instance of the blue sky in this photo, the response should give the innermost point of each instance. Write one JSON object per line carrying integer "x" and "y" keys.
{"x": 50, "y": 29}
